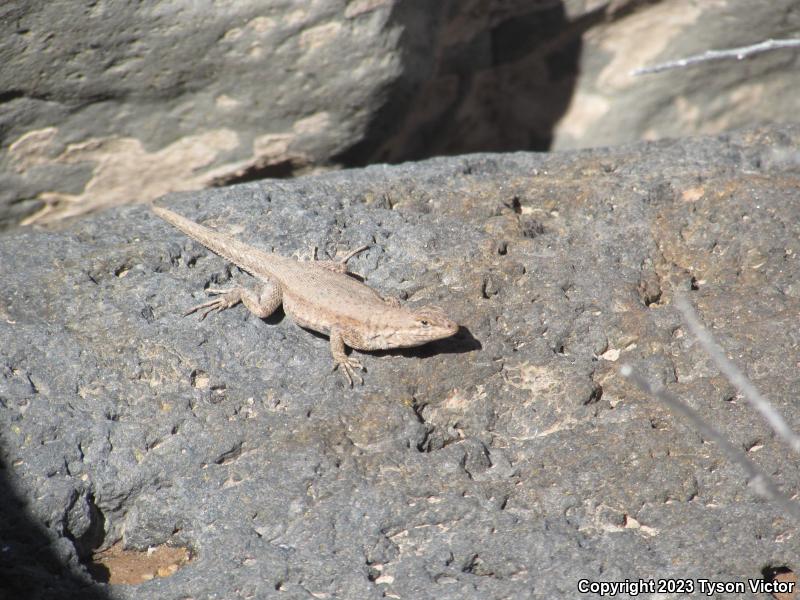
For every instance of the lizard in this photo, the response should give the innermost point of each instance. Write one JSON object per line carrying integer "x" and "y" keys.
{"x": 321, "y": 295}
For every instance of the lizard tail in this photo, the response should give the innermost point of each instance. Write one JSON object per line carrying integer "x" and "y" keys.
{"x": 242, "y": 255}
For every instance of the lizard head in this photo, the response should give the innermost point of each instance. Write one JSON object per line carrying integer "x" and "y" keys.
{"x": 423, "y": 325}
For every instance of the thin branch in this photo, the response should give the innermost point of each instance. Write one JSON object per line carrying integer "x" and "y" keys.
{"x": 735, "y": 376}
{"x": 737, "y": 53}
{"x": 761, "y": 483}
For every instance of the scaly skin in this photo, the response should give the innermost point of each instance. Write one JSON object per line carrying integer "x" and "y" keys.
{"x": 317, "y": 295}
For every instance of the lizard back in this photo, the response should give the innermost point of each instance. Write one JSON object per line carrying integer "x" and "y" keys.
{"x": 306, "y": 287}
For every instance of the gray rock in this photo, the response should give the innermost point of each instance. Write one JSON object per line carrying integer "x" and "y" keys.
{"x": 508, "y": 462}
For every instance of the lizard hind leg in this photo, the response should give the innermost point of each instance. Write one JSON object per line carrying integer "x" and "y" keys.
{"x": 352, "y": 253}
{"x": 262, "y": 302}
{"x": 339, "y": 265}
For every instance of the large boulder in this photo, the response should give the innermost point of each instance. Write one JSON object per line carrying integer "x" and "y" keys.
{"x": 112, "y": 103}
{"x": 511, "y": 461}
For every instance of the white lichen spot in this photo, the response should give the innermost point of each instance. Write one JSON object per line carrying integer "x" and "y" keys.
{"x": 359, "y": 7}
{"x": 272, "y": 145}
{"x": 31, "y": 149}
{"x": 124, "y": 171}
{"x": 297, "y": 17}
{"x": 232, "y": 34}
{"x": 612, "y": 354}
{"x": 321, "y": 35}
{"x": 525, "y": 376}
{"x": 692, "y": 194}
{"x": 226, "y": 102}
{"x": 313, "y": 125}
{"x": 261, "y": 24}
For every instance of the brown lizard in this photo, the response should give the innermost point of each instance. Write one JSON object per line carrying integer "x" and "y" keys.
{"x": 317, "y": 295}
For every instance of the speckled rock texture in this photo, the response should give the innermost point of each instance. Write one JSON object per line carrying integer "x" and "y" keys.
{"x": 510, "y": 461}
{"x": 105, "y": 103}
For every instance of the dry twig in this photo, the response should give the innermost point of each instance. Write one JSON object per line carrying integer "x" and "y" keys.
{"x": 737, "y": 53}
{"x": 735, "y": 376}
{"x": 761, "y": 483}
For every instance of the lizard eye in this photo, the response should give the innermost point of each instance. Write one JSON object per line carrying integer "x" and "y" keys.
{"x": 424, "y": 322}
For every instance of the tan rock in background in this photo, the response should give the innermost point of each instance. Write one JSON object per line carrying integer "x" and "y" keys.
{"x": 108, "y": 103}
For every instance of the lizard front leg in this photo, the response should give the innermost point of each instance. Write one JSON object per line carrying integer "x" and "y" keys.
{"x": 262, "y": 301}
{"x": 340, "y": 359}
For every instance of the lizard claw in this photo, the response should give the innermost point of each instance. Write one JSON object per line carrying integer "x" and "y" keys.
{"x": 227, "y": 298}
{"x": 349, "y": 365}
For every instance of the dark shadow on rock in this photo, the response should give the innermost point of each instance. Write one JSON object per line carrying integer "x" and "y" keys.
{"x": 30, "y": 565}
{"x": 281, "y": 170}
{"x": 463, "y": 341}
{"x": 497, "y": 80}
{"x": 275, "y": 317}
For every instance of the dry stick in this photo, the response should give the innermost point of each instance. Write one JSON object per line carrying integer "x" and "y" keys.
{"x": 758, "y": 480}
{"x": 737, "y": 53}
{"x": 735, "y": 376}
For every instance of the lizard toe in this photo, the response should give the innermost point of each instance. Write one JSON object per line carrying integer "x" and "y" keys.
{"x": 194, "y": 309}
{"x": 218, "y": 291}
{"x": 346, "y": 371}
{"x": 226, "y": 300}
{"x": 352, "y": 365}
{"x": 349, "y": 366}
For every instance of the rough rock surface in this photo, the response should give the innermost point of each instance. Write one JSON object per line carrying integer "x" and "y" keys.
{"x": 108, "y": 103}
{"x": 508, "y": 462}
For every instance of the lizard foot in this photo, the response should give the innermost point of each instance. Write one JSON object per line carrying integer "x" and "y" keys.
{"x": 349, "y": 365}
{"x": 226, "y": 299}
